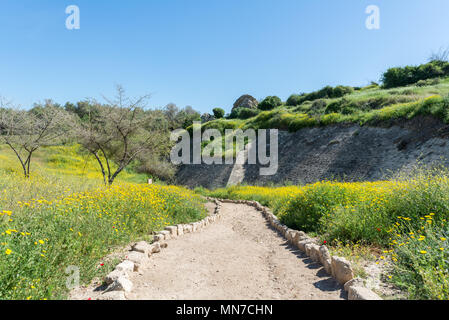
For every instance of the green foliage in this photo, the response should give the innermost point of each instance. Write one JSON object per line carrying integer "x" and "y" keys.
{"x": 281, "y": 119}
{"x": 318, "y": 106}
{"x": 294, "y": 100}
{"x": 399, "y": 77}
{"x": 220, "y": 124}
{"x": 346, "y": 106}
{"x": 421, "y": 257}
{"x": 327, "y": 92}
{"x": 270, "y": 103}
{"x": 63, "y": 216}
{"x": 243, "y": 113}
{"x": 218, "y": 113}
{"x": 428, "y": 82}
{"x": 407, "y": 217}
{"x": 83, "y": 109}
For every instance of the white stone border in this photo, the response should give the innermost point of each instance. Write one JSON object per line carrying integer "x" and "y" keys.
{"x": 338, "y": 267}
{"x": 117, "y": 281}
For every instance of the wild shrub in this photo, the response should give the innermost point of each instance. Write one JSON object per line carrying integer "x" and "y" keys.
{"x": 218, "y": 113}
{"x": 433, "y": 105}
{"x": 318, "y": 106}
{"x": 399, "y": 77}
{"x": 270, "y": 103}
{"x": 243, "y": 113}
{"x": 220, "y": 124}
{"x": 419, "y": 252}
{"x": 294, "y": 100}
{"x": 428, "y": 82}
{"x": 327, "y": 92}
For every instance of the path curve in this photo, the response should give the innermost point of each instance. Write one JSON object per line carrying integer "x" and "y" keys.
{"x": 238, "y": 257}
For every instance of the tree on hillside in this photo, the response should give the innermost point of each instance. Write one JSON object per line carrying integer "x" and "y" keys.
{"x": 26, "y": 131}
{"x": 180, "y": 118}
{"x": 82, "y": 109}
{"x": 218, "y": 113}
{"x": 120, "y": 132}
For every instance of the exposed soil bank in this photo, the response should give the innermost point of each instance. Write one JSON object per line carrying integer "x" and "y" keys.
{"x": 346, "y": 152}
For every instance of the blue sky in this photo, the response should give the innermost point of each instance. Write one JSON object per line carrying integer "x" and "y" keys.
{"x": 206, "y": 53}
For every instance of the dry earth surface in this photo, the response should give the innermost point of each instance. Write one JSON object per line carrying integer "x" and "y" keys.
{"x": 237, "y": 257}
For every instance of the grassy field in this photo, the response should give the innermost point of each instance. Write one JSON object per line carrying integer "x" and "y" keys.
{"x": 64, "y": 216}
{"x": 405, "y": 218}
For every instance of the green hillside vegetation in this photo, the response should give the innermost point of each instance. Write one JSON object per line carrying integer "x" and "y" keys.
{"x": 401, "y": 222}
{"x": 63, "y": 215}
{"x": 370, "y": 105}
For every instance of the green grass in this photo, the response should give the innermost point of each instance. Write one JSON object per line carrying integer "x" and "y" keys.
{"x": 64, "y": 216}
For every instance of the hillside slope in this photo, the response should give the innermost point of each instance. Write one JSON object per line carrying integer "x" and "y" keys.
{"x": 346, "y": 152}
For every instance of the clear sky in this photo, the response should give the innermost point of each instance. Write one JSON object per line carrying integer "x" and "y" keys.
{"x": 206, "y": 53}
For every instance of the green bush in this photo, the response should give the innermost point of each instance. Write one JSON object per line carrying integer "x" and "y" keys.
{"x": 221, "y": 125}
{"x": 243, "y": 113}
{"x": 218, "y": 113}
{"x": 270, "y": 103}
{"x": 346, "y": 106}
{"x": 428, "y": 82}
{"x": 434, "y": 105}
{"x": 446, "y": 101}
{"x": 294, "y": 100}
{"x": 421, "y": 258}
{"x": 318, "y": 106}
{"x": 399, "y": 77}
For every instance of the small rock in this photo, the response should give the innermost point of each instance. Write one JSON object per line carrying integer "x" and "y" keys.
{"x": 142, "y": 247}
{"x": 356, "y": 282}
{"x": 295, "y": 237}
{"x": 284, "y": 230}
{"x": 139, "y": 259}
{"x": 114, "y": 275}
{"x": 180, "y": 229}
{"x": 302, "y": 244}
{"x": 341, "y": 270}
{"x": 121, "y": 284}
{"x": 126, "y": 266}
{"x": 315, "y": 252}
{"x": 326, "y": 259}
{"x": 308, "y": 248}
{"x": 290, "y": 234}
{"x": 188, "y": 228}
{"x": 164, "y": 245}
{"x": 159, "y": 237}
{"x": 173, "y": 231}
{"x": 155, "y": 247}
{"x": 166, "y": 234}
{"x": 361, "y": 293}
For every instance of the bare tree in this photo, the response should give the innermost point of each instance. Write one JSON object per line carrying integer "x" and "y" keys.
{"x": 441, "y": 55}
{"x": 120, "y": 131}
{"x": 26, "y": 131}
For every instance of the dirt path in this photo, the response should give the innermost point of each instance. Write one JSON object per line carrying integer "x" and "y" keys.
{"x": 238, "y": 257}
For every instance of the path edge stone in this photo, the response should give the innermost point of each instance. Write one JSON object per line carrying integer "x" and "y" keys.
{"x": 337, "y": 267}
{"x": 118, "y": 284}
